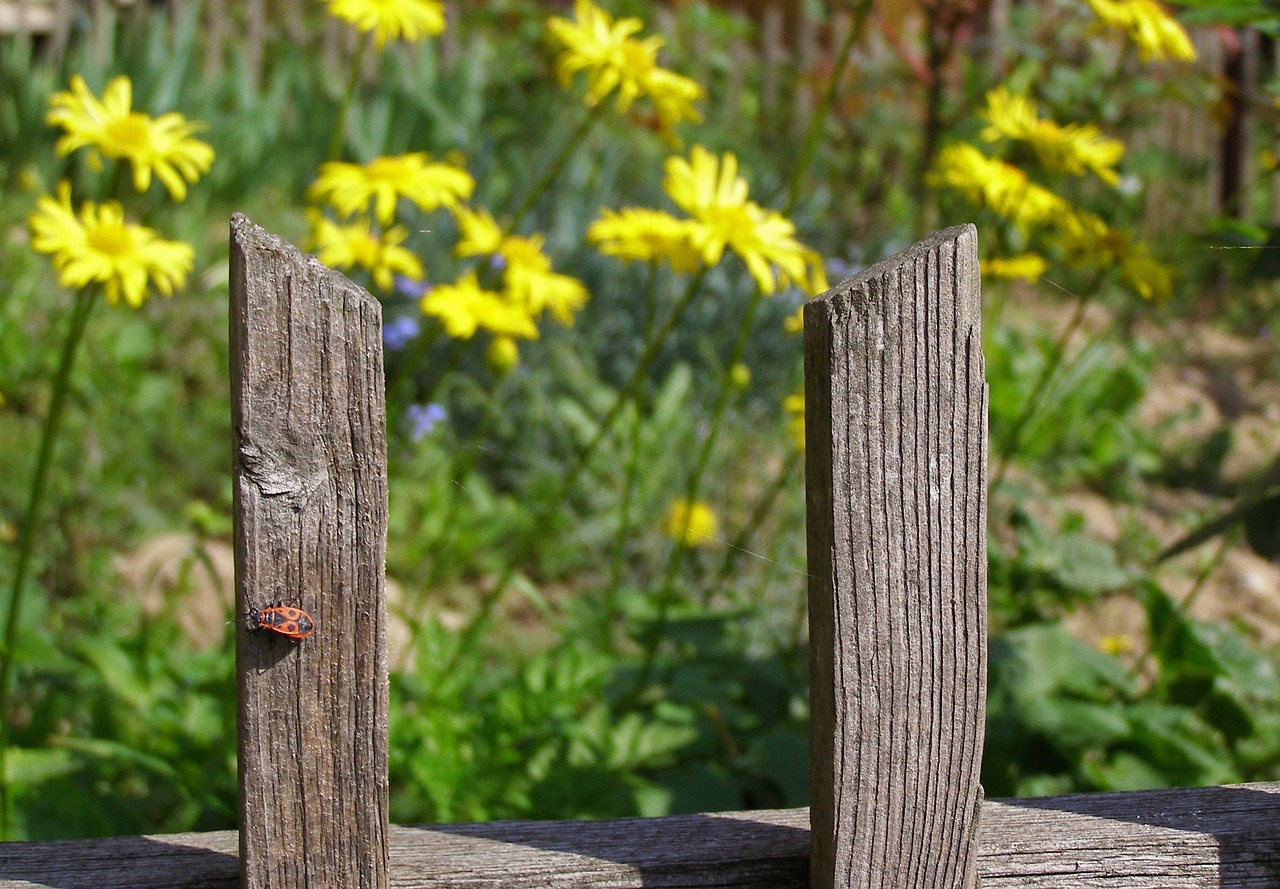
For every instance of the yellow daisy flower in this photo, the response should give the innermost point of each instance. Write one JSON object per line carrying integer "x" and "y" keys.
{"x": 478, "y": 234}
{"x": 1156, "y": 33}
{"x": 349, "y": 188}
{"x": 691, "y": 523}
{"x": 356, "y": 245}
{"x": 709, "y": 189}
{"x": 109, "y": 126}
{"x": 531, "y": 283}
{"x": 617, "y": 62}
{"x": 1025, "y": 266}
{"x": 1073, "y": 149}
{"x": 992, "y": 183}
{"x": 465, "y": 307}
{"x": 636, "y": 233}
{"x": 410, "y": 20}
{"x": 1089, "y": 241}
{"x": 99, "y": 247}
{"x": 673, "y": 97}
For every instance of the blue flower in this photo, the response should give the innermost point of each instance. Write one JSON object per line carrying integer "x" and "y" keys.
{"x": 397, "y": 332}
{"x": 423, "y": 418}
{"x": 411, "y": 288}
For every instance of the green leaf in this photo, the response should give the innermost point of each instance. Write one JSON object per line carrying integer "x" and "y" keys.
{"x": 28, "y": 767}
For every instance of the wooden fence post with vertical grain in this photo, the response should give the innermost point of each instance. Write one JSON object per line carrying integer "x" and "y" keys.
{"x": 895, "y": 418}
{"x": 309, "y": 472}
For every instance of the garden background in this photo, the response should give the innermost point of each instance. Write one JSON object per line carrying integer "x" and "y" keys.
{"x": 591, "y": 229}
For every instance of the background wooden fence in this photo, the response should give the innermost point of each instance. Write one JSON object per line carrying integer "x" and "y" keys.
{"x": 788, "y": 42}
{"x": 896, "y": 515}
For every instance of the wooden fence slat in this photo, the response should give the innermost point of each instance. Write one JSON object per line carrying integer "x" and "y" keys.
{"x": 895, "y": 429}
{"x": 1198, "y": 838}
{"x": 311, "y": 519}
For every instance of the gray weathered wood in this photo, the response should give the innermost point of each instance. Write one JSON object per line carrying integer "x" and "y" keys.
{"x": 310, "y": 513}
{"x": 895, "y": 430}
{"x": 1200, "y": 838}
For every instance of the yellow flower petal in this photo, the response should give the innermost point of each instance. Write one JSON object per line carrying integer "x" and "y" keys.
{"x": 616, "y": 63}
{"x": 464, "y": 307}
{"x": 531, "y": 283}
{"x": 349, "y": 188}
{"x": 636, "y": 233}
{"x": 162, "y": 145}
{"x": 100, "y": 247}
{"x": 1074, "y": 149}
{"x": 691, "y": 524}
{"x": 710, "y": 190}
{"x": 1156, "y": 34}
{"x": 357, "y": 245}
{"x": 387, "y": 20}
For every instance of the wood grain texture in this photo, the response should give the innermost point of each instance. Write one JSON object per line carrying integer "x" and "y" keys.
{"x": 311, "y": 521}
{"x": 1200, "y": 838}
{"x": 895, "y": 430}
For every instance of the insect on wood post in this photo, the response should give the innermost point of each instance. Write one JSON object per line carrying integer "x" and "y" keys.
{"x": 310, "y": 486}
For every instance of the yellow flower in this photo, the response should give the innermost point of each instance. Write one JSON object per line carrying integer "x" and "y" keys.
{"x": 350, "y": 187}
{"x": 710, "y": 190}
{"x": 1156, "y": 34}
{"x": 502, "y": 356}
{"x": 162, "y": 145}
{"x": 1121, "y": 643}
{"x": 616, "y": 62}
{"x": 1089, "y": 241}
{"x": 794, "y": 323}
{"x": 1025, "y": 266}
{"x": 412, "y": 20}
{"x": 992, "y": 183}
{"x": 690, "y": 524}
{"x": 464, "y": 307}
{"x": 673, "y": 97}
{"x": 1073, "y": 149}
{"x": 532, "y": 284}
{"x": 794, "y": 406}
{"x": 478, "y": 234}
{"x": 99, "y": 247}
{"x": 357, "y": 245}
{"x": 637, "y": 233}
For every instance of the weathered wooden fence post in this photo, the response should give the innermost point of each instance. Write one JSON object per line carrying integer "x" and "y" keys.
{"x": 895, "y": 420}
{"x": 311, "y": 518}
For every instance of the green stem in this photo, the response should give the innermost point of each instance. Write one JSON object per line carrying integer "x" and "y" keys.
{"x": 541, "y": 519}
{"x": 737, "y": 546}
{"x": 460, "y": 470}
{"x": 75, "y": 333}
{"x": 557, "y": 167}
{"x": 628, "y": 489}
{"x": 820, "y": 113}
{"x": 667, "y": 594}
{"x": 1009, "y": 444}
{"x": 340, "y": 128}
{"x": 1183, "y": 607}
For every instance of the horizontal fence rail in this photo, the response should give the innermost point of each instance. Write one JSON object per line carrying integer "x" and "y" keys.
{"x": 1198, "y": 838}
